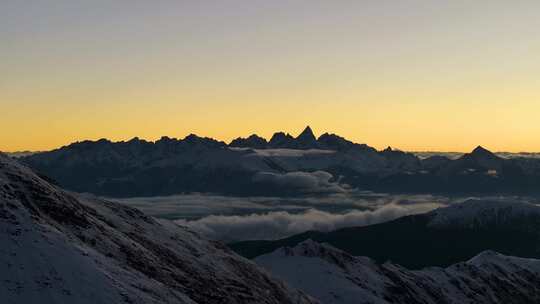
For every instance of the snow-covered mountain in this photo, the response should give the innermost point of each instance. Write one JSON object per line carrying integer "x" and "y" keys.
{"x": 197, "y": 164}
{"x": 58, "y": 247}
{"x": 438, "y": 238}
{"x": 333, "y": 276}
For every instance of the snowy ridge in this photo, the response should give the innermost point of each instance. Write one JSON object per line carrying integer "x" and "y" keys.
{"x": 482, "y": 213}
{"x": 333, "y": 276}
{"x": 57, "y": 247}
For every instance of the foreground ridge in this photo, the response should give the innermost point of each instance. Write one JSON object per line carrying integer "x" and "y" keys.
{"x": 58, "y": 247}
{"x": 334, "y": 276}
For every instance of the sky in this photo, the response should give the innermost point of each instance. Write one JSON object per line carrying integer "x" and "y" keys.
{"x": 415, "y": 75}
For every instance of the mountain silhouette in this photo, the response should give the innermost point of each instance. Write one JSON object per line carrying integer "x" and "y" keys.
{"x": 200, "y": 164}
{"x": 253, "y": 141}
{"x": 306, "y": 139}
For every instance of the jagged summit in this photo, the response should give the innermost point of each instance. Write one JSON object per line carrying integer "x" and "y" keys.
{"x": 281, "y": 140}
{"x": 307, "y": 134}
{"x": 482, "y": 152}
{"x": 108, "y": 145}
{"x": 306, "y": 139}
{"x": 253, "y": 141}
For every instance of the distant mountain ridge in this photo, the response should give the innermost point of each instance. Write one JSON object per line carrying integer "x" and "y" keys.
{"x": 199, "y": 164}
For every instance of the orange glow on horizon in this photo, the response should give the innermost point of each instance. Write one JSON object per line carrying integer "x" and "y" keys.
{"x": 444, "y": 76}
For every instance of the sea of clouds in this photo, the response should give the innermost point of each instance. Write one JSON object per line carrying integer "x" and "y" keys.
{"x": 318, "y": 202}
{"x": 280, "y": 224}
{"x": 232, "y": 219}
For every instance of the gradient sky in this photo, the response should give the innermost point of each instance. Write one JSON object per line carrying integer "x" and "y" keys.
{"x": 416, "y": 75}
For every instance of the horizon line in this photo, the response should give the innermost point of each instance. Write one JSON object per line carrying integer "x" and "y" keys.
{"x": 228, "y": 142}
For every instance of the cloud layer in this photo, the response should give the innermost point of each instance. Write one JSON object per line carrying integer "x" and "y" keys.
{"x": 230, "y": 218}
{"x": 275, "y": 225}
{"x": 301, "y": 182}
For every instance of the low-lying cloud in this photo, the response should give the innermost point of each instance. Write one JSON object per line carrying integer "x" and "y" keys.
{"x": 301, "y": 182}
{"x": 280, "y": 224}
{"x": 229, "y": 218}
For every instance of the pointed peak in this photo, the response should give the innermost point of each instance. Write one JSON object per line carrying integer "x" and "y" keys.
{"x": 308, "y": 130}
{"x": 481, "y": 151}
{"x": 307, "y": 134}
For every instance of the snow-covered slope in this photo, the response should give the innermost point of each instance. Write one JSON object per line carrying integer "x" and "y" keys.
{"x": 334, "y": 276}
{"x": 56, "y": 247}
{"x": 483, "y": 214}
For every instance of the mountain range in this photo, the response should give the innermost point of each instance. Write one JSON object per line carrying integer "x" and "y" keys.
{"x": 305, "y": 140}
{"x": 198, "y": 164}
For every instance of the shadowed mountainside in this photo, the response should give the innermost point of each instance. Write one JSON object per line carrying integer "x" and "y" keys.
{"x": 195, "y": 164}
{"x": 57, "y": 247}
